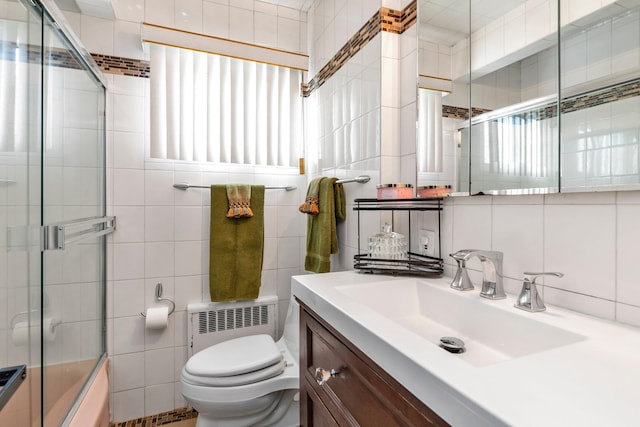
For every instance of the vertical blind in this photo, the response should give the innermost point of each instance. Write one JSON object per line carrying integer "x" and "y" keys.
{"x": 212, "y": 108}
{"x": 14, "y": 75}
{"x": 518, "y": 145}
{"x": 429, "y": 149}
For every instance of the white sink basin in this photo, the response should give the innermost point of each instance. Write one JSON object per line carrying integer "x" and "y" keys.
{"x": 491, "y": 332}
{"x": 582, "y": 371}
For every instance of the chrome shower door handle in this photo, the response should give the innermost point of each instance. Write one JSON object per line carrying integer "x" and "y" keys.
{"x": 59, "y": 235}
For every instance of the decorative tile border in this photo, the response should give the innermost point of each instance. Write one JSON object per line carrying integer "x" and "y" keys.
{"x": 122, "y": 66}
{"x": 159, "y": 419}
{"x": 602, "y": 96}
{"x": 57, "y": 57}
{"x": 385, "y": 19}
{"x": 398, "y": 21}
{"x": 460, "y": 113}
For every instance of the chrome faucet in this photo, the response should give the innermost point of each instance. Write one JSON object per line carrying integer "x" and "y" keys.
{"x": 492, "y": 286}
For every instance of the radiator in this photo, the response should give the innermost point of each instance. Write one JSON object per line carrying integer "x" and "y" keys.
{"x": 213, "y": 322}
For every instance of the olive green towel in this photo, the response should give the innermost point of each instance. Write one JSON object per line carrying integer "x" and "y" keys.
{"x": 236, "y": 248}
{"x": 322, "y": 237}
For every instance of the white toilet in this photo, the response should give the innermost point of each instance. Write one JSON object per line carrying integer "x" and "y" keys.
{"x": 248, "y": 381}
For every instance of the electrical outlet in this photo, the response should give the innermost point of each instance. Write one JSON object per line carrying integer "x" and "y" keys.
{"x": 427, "y": 242}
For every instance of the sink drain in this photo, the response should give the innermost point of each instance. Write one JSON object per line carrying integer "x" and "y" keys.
{"x": 452, "y": 344}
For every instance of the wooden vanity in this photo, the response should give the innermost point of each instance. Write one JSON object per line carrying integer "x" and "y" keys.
{"x": 359, "y": 393}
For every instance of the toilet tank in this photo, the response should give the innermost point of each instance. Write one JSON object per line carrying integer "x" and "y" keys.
{"x": 210, "y": 323}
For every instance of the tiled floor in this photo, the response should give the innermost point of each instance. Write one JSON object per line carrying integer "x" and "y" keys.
{"x": 185, "y": 423}
{"x": 181, "y": 417}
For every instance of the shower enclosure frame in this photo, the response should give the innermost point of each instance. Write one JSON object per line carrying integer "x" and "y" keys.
{"x": 65, "y": 314}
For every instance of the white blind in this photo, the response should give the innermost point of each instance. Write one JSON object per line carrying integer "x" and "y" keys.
{"x": 429, "y": 149}
{"x": 14, "y": 85}
{"x": 213, "y": 108}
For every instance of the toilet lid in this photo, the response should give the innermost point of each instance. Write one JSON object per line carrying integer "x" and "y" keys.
{"x": 235, "y": 380}
{"x": 237, "y": 356}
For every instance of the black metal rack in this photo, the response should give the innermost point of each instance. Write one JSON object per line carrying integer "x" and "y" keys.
{"x": 416, "y": 264}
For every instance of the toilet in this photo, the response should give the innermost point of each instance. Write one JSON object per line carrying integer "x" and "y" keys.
{"x": 247, "y": 381}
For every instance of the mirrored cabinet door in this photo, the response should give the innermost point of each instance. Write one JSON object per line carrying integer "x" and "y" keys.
{"x": 443, "y": 92}
{"x": 529, "y": 97}
{"x": 600, "y": 88}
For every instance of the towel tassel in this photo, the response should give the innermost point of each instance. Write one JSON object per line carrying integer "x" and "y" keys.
{"x": 310, "y": 205}
{"x": 239, "y": 209}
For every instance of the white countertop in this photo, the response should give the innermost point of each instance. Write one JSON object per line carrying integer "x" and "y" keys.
{"x": 592, "y": 382}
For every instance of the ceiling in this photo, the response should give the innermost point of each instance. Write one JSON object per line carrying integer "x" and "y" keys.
{"x": 447, "y": 21}
{"x": 303, "y": 5}
{"x": 69, "y": 5}
{"x": 88, "y": 6}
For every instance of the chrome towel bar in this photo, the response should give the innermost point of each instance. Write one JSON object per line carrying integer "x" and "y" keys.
{"x": 185, "y": 186}
{"x": 359, "y": 179}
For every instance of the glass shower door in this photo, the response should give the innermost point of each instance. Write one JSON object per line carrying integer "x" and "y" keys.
{"x": 73, "y": 222}
{"x": 20, "y": 207}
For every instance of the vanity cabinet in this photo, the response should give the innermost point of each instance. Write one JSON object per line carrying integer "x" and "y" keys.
{"x": 359, "y": 393}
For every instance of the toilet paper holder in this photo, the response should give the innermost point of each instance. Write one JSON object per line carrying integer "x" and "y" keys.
{"x": 160, "y": 299}
{"x": 14, "y": 320}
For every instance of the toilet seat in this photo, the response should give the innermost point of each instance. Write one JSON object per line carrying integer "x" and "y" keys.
{"x": 236, "y": 362}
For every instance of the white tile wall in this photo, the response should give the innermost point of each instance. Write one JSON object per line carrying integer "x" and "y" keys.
{"x": 162, "y": 232}
{"x": 590, "y": 237}
{"x": 163, "y": 237}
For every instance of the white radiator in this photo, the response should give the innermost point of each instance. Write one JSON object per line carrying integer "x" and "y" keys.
{"x": 210, "y": 323}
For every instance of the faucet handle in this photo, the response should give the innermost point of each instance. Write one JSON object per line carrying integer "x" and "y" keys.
{"x": 529, "y": 298}
{"x": 536, "y": 275}
{"x": 461, "y": 281}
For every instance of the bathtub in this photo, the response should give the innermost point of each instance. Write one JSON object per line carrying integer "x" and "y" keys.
{"x": 93, "y": 408}
{"x": 65, "y": 382}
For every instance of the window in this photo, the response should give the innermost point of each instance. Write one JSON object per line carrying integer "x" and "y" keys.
{"x": 212, "y": 108}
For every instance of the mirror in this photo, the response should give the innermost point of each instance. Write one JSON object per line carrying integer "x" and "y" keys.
{"x": 600, "y": 75}
{"x": 512, "y": 137}
{"x": 516, "y": 142}
{"x": 443, "y": 92}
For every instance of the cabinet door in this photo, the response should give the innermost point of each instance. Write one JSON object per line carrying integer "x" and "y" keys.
{"x": 361, "y": 393}
{"x": 312, "y": 410}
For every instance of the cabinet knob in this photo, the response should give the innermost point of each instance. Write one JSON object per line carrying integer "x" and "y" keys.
{"x": 323, "y": 375}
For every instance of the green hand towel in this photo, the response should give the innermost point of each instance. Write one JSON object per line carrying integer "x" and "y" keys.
{"x": 236, "y": 248}
{"x": 322, "y": 238}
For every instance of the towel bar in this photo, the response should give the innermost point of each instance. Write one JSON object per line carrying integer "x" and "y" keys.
{"x": 359, "y": 179}
{"x": 185, "y": 186}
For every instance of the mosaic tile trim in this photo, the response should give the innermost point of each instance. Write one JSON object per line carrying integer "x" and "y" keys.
{"x": 57, "y": 57}
{"x": 398, "y": 21}
{"x": 348, "y": 51}
{"x": 602, "y": 96}
{"x": 159, "y": 419}
{"x": 460, "y": 113}
{"x": 122, "y": 66}
{"x": 385, "y": 19}
{"x": 391, "y": 20}
{"x": 53, "y": 57}
{"x": 575, "y": 103}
